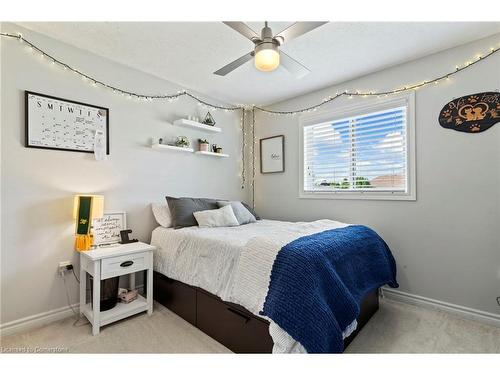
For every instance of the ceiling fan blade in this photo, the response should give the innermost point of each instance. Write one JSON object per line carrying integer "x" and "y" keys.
{"x": 298, "y": 29}
{"x": 293, "y": 66}
{"x": 235, "y": 64}
{"x": 243, "y": 29}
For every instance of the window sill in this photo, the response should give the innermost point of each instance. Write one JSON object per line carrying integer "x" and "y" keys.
{"x": 384, "y": 196}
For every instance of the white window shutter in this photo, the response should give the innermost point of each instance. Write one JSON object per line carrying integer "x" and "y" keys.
{"x": 363, "y": 153}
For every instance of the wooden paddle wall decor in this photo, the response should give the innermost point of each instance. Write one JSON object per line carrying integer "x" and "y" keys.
{"x": 473, "y": 113}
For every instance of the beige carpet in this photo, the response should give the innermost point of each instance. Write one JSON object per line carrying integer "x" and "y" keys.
{"x": 396, "y": 328}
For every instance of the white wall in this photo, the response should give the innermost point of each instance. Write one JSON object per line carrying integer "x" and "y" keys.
{"x": 447, "y": 242}
{"x": 38, "y": 185}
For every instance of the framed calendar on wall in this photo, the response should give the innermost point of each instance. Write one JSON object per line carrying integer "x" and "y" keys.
{"x": 60, "y": 124}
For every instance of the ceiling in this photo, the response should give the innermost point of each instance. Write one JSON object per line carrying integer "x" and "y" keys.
{"x": 187, "y": 53}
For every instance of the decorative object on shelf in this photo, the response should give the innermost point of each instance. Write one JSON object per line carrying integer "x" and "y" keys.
{"x": 107, "y": 228}
{"x": 86, "y": 208}
{"x": 127, "y": 295}
{"x": 473, "y": 113}
{"x": 215, "y": 147}
{"x": 209, "y": 120}
{"x": 272, "y": 154}
{"x": 182, "y": 141}
{"x": 124, "y": 237}
{"x": 204, "y": 144}
{"x": 218, "y": 150}
{"x": 60, "y": 124}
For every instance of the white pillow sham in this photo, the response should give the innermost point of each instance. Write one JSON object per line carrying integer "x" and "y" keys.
{"x": 161, "y": 212}
{"x": 222, "y": 217}
{"x": 242, "y": 214}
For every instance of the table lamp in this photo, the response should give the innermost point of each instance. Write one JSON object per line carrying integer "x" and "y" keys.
{"x": 86, "y": 208}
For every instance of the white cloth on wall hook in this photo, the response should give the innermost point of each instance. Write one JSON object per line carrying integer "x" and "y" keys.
{"x": 99, "y": 145}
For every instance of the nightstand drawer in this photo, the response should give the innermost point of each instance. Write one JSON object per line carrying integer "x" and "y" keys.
{"x": 125, "y": 264}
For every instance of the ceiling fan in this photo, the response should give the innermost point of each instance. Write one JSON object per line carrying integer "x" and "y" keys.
{"x": 266, "y": 54}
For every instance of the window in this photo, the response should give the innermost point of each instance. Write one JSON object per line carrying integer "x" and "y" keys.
{"x": 360, "y": 153}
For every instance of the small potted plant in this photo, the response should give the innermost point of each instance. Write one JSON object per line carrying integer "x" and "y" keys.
{"x": 203, "y": 144}
{"x": 182, "y": 141}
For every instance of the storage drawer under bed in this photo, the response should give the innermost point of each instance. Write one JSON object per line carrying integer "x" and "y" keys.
{"x": 178, "y": 297}
{"x": 232, "y": 325}
{"x": 229, "y": 324}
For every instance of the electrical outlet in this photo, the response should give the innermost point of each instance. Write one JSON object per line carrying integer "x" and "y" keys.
{"x": 62, "y": 266}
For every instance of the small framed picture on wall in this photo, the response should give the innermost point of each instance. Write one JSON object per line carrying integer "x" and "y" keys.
{"x": 272, "y": 154}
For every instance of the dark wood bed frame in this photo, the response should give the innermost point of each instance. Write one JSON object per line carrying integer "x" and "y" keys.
{"x": 232, "y": 325}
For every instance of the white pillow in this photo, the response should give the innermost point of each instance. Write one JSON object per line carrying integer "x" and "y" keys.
{"x": 242, "y": 214}
{"x": 222, "y": 217}
{"x": 162, "y": 215}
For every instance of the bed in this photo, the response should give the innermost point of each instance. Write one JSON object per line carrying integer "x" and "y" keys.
{"x": 219, "y": 280}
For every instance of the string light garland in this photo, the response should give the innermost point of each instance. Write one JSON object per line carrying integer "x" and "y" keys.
{"x": 172, "y": 97}
{"x": 253, "y": 157}
{"x": 130, "y": 94}
{"x": 243, "y": 145}
{"x": 379, "y": 94}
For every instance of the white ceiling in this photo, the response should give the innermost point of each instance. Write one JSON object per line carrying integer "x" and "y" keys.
{"x": 188, "y": 53}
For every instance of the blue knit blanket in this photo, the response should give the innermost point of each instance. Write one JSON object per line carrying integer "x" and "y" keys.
{"x": 318, "y": 282}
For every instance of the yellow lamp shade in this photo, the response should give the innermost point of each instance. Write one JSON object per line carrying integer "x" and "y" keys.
{"x": 267, "y": 57}
{"x": 97, "y": 205}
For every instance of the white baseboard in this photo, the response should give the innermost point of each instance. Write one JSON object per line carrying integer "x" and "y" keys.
{"x": 37, "y": 320}
{"x": 462, "y": 311}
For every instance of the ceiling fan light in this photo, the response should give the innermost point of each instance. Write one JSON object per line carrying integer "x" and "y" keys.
{"x": 267, "y": 57}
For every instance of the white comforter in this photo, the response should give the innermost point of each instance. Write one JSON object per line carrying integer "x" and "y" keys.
{"x": 233, "y": 263}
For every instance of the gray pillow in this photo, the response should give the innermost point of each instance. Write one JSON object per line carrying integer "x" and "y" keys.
{"x": 252, "y": 211}
{"x": 242, "y": 214}
{"x": 181, "y": 210}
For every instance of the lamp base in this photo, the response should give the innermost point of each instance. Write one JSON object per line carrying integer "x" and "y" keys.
{"x": 83, "y": 242}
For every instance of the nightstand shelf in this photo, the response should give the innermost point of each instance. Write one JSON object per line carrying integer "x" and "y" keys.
{"x": 197, "y": 125}
{"x": 120, "y": 311}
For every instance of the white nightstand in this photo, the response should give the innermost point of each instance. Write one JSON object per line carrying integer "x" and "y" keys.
{"x": 105, "y": 262}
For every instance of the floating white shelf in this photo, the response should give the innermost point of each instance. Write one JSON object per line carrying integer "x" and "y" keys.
{"x": 212, "y": 154}
{"x": 197, "y": 125}
{"x": 171, "y": 148}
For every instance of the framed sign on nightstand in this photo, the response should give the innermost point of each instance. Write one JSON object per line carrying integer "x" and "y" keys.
{"x": 106, "y": 229}
{"x": 272, "y": 154}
